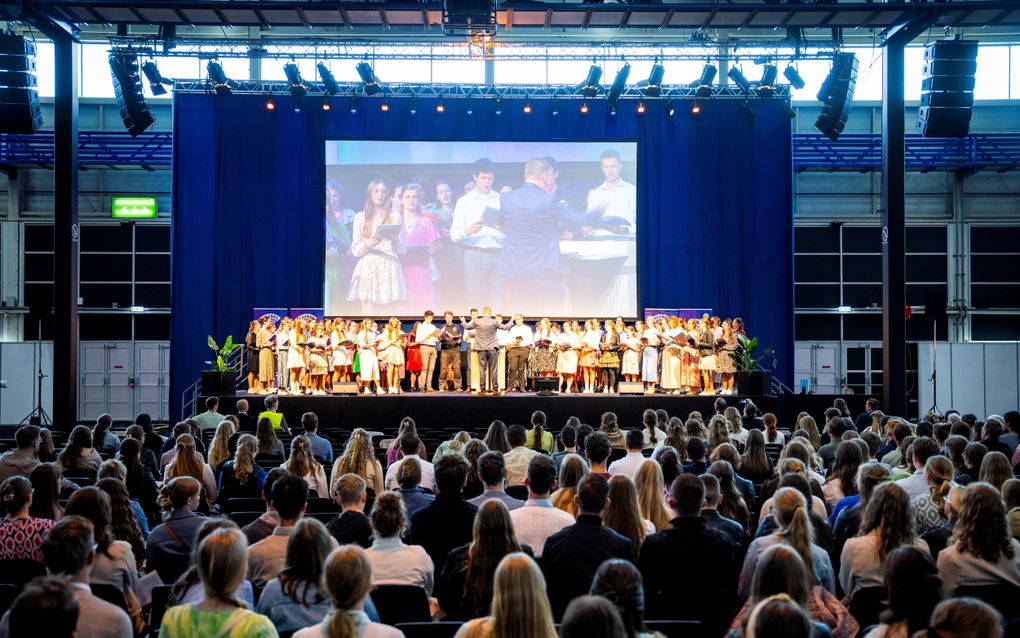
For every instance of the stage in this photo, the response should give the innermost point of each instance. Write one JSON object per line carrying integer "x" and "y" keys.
{"x": 452, "y": 410}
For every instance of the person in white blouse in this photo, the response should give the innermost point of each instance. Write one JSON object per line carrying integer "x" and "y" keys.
{"x": 409, "y": 444}
{"x": 302, "y": 463}
{"x": 393, "y": 562}
{"x": 427, "y": 336}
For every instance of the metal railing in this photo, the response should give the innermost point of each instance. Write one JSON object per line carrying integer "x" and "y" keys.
{"x": 236, "y": 360}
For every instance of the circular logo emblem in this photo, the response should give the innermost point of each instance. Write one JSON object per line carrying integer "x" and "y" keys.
{"x": 885, "y": 234}
{"x": 74, "y": 232}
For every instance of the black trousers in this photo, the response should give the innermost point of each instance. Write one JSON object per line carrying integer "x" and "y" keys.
{"x": 517, "y": 359}
{"x": 448, "y": 358}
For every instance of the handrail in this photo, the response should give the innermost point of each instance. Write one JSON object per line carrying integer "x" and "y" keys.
{"x": 189, "y": 398}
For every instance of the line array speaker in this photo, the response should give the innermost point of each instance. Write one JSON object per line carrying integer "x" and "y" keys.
{"x": 19, "y": 93}
{"x": 127, "y": 89}
{"x": 837, "y": 94}
{"x": 947, "y": 88}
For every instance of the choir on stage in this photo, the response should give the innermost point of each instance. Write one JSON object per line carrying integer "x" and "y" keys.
{"x": 671, "y": 355}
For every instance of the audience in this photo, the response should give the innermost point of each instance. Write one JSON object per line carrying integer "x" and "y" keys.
{"x": 394, "y": 452}
{"x": 619, "y": 582}
{"x": 520, "y": 605}
{"x": 219, "y": 450}
{"x": 351, "y": 525}
{"x": 269, "y": 445}
{"x": 79, "y": 454}
{"x": 567, "y": 443}
{"x": 912, "y": 590}
{"x": 25, "y": 458}
{"x": 242, "y": 476}
{"x": 539, "y": 519}
{"x": 409, "y": 480}
{"x": 46, "y": 606}
{"x": 104, "y": 440}
{"x": 496, "y": 438}
{"x": 322, "y": 447}
{"x": 264, "y": 525}
{"x": 447, "y": 521}
{"x": 491, "y": 470}
{"x": 45, "y": 479}
{"x": 302, "y": 463}
{"x": 929, "y": 509}
{"x": 628, "y": 465}
{"x": 651, "y": 494}
{"x": 984, "y": 552}
{"x": 293, "y": 599}
{"x": 995, "y": 469}
{"x": 592, "y": 617}
{"x": 755, "y": 465}
{"x": 188, "y": 462}
{"x": 964, "y": 618}
{"x": 716, "y": 521}
{"x": 266, "y": 557}
{"x": 537, "y": 437}
{"x": 570, "y": 472}
{"x": 358, "y": 458}
{"x": 519, "y": 456}
{"x": 409, "y": 445}
{"x": 597, "y": 448}
{"x": 188, "y": 588}
{"x": 393, "y": 562}
{"x": 21, "y": 534}
{"x": 623, "y": 513}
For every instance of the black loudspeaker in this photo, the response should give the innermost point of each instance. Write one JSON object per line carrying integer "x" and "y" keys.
{"x": 837, "y": 93}
{"x": 935, "y": 305}
{"x": 127, "y": 88}
{"x": 947, "y": 89}
{"x": 469, "y": 13}
{"x": 547, "y": 386}
{"x": 19, "y": 95}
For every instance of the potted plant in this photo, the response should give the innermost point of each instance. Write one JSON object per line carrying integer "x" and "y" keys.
{"x": 221, "y": 379}
{"x": 751, "y": 380}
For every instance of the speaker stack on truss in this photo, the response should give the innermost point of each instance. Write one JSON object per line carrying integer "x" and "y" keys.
{"x": 837, "y": 95}
{"x": 947, "y": 89}
{"x": 19, "y": 93}
{"x": 127, "y": 89}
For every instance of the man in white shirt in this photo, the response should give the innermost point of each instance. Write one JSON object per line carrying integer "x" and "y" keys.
{"x": 518, "y": 459}
{"x": 538, "y": 519}
{"x": 482, "y": 243}
{"x": 409, "y": 444}
{"x": 210, "y": 419}
{"x": 427, "y": 336}
{"x": 628, "y": 465}
{"x": 614, "y": 197}
{"x": 921, "y": 450}
{"x": 519, "y": 340}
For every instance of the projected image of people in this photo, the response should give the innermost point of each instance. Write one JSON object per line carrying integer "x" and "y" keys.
{"x": 541, "y": 229}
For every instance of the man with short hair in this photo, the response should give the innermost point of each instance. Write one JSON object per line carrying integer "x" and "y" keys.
{"x": 22, "y": 461}
{"x": 538, "y": 519}
{"x": 990, "y": 435}
{"x": 246, "y": 423}
{"x": 492, "y": 472}
{"x": 486, "y": 346}
{"x": 409, "y": 444}
{"x": 628, "y": 465}
{"x": 351, "y": 525}
{"x": 482, "y": 243}
{"x": 863, "y": 421}
{"x": 689, "y": 547}
{"x": 597, "y": 449}
{"x": 446, "y": 522}
{"x": 900, "y": 432}
{"x": 572, "y": 555}
{"x": 276, "y": 418}
{"x": 519, "y": 342}
{"x": 45, "y": 607}
{"x": 716, "y": 521}
{"x": 264, "y": 525}
{"x": 427, "y": 337}
{"x": 519, "y": 457}
{"x": 568, "y": 437}
{"x": 615, "y": 197}
{"x": 697, "y": 451}
{"x": 70, "y": 551}
{"x": 835, "y": 427}
{"x": 921, "y": 450}
{"x": 266, "y": 557}
{"x": 210, "y": 419}
{"x": 322, "y": 448}
{"x": 450, "y": 339}
{"x": 874, "y": 442}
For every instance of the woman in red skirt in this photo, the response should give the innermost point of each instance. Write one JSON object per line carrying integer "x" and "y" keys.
{"x": 413, "y": 364}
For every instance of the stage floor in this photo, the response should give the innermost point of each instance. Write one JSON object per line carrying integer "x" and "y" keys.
{"x": 474, "y": 413}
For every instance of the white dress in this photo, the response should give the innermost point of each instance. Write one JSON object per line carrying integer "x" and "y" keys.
{"x": 295, "y": 356}
{"x": 631, "y": 362}
{"x": 341, "y": 354}
{"x": 671, "y": 362}
{"x": 367, "y": 358}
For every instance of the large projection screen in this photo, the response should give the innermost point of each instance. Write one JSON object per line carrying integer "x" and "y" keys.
{"x": 544, "y": 229}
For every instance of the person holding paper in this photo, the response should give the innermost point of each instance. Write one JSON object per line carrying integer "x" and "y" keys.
{"x": 378, "y": 277}
{"x": 420, "y": 237}
{"x": 518, "y": 349}
{"x": 485, "y": 346}
{"x": 427, "y": 336}
{"x": 482, "y": 241}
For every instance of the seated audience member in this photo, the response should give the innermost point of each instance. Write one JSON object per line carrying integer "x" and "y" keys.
{"x": 447, "y": 521}
{"x": 572, "y": 555}
{"x": 650, "y": 486}
{"x": 793, "y": 466}
{"x": 211, "y": 418}
{"x": 409, "y": 444}
{"x": 697, "y": 452}
{"x": 592, "y": 617}
{"x": 781, "y": 570}
{"x": 219, "y": 449}
{"x": 69, "y": 552}
{"x": 965, "y": 618}
{"x": 537, "y": 438}
{"x": 716, "y": 521}
{"x": 348, "y": 582}
{"x": 127, "y": 521}
{"x": 266, "y": 557}
{"x": 568, "y": 443}
{"x": 538, "y": 519}
{"x": 241, "y": 477}
{"x": 735, "y": 503}
{"x": 293, "y": 600}
{"x": 990, "y": 435}
{"x": 47, "y": 452}
{"x": 610, "y": 427}
{"x": 188, "y": 588}
{"x": 794, "y": 529}
{"x": 140, "y": 484}
{"x": 394, "y": 452}
{"x": 45, "y": 607}
{"x": 938, "y": 537}
{"x": 869, "y": 476}
{"x": 922, "y": 449}
{"x": 840, "y": 481}
{"x": 169, "y": 450}
{"x": 492, "y": 472}
{"x": 623, "y": 514}
{"x": 269, "y": 445}
{"x": 619, "y": 582}
{"x": 780, "y": 615}
{"x": 886, "y": 525}
{"x": 520, "y": 606}
{"x": 912, "y": 590}
{"x": 688, "y": 547}
{"x": 472, "y": 452}
{"x": 188, "y": 462}
{"x": 465, "y": 590}
{"x": 597, "y": 449}
{"x": 409, "y": 480}
{"x": 518, "y": 457}
{"x": 973, "y": 457}
{"x": 628, "y": 465}
{"x": 1011, "y": 498}
{"x": 45, "y": 479}
{"x": 653, "y": 435}
{"x": 148, "y": 458}
{"x": 171, "y": 543}
{"x": 151, "y": 440}
{"x": 276, "y": 418}
{"x": 393, "y": 562}
{"x": 755, "y": 465}
{"x": 351, "y": 525}
{"x": 79, "y": 454}
{"x": 995, "y": 469}
{"x": 358, "y": 458}
{"x": 302, "y": 463}
{"x": 571, "y": 471}
{"x": 24, "y": 459}
{"x": 322, "y": 447}
{"x": 21, "y": 535}
{"x": 221, "y": 562}
{"x": 727, "y": 452}
{"x": 104, "y": 440}
{"x": 246, "y": 423}
{"x": 929, "y": 509}
{"x": 984, "y": 553}
{"x": 823, "y": 534}
{"x": 264, "y": 525}
{"x": 115, "y": 560}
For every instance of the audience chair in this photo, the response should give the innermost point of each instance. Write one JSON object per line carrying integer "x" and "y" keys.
{"x": 401, "y": 603}
{"x": 676, "y": 628}
{"x": 110, "y": 594}
{"x": 867, "y": 604}
{"x": 157, "y": 607}
{"x": 321, "y": 505}
{"x": 520, "y": 492}
{"x": 8, "y": 593}
{"x": 429, "y": 629}
{"x": 245, "y": 518}
{"x": 243, "y": 504}
{"x": 1004, "y": 597}
{"x": 18, "y": 572}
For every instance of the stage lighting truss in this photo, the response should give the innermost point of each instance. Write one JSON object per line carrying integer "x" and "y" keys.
{"x": 618, "y": 86}
{"x": 298, "y": 89}
{"x": 154, "y": 78}
{"x": 370, "y": 84}
{"x": 652, "y": 87}
{"x": 218, "y": 80}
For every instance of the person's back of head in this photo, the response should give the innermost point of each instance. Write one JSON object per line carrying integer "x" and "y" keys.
{"x": 619, "y": 581}
{"x": 289, "y": 497}
{"x": 310, "y": 422}
{"x": 696, "y": 448}
{"x": 27, "y": 436}
{"x": 538, "y": 419}
{"x": 212, "y": 403}
{"x": 272, "y": 402}
{"x": 492, "y": 469}
{"x": 597, "y": 448}
{"x": 541, "y": 475}
{"x": 221, "y": 563}
{"x": 778, "y": 615}
{"x": 635, "y": 440}
{"x": 350, "y": 490}
{"x": 389, "y": 516}
{"x": 712, "y": 493}
{"x": 47, "y": 607}
{"x": 516, "y": 435}
{"x": 451, "y": 473}
{"x": 592, "y": 492}
{"x": 963, "y": 618}
{"x": 69, "y": 545}
{"x": 900, "y": 432}
{"x": 923, "y": 449}
{"x": 912, "y": 587}
{"x": 687, "y": 495}
{"x": 307, "y": 548}
{"x": 592, "y": 617}
{"x": 719, "y": 405}
{"x": 409, "y": 443}
{"x": 409, "y": 473}
{"x": 348, "y": 580}
{"x": 568, "y": 436}
{"x": 780, "y": 570}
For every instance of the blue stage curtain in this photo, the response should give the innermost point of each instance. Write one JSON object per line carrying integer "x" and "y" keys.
{"x": 715, "y": 204}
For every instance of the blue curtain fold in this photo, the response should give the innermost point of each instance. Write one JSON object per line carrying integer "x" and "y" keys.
{"x": 715, "y": 204}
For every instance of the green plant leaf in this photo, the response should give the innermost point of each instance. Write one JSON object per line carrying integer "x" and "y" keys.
{"x": 228, "y": 345}
{"x": 220, "y": 365}
{"x": 212, "y": 344}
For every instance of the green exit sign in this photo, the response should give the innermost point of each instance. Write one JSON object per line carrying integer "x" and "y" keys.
{"x": 134, "y": 208}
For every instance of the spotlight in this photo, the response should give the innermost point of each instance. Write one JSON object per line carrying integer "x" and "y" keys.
{"x": 704, "y": 83}
{"x": 584, "y": 107}
{"x": 156, "y": 80}
{"x": 326, "y": 106}
{"x": 767, "y": 85}
{"x": 385, "y": 106}
{"x": 298, "y": 89}
{"x": 590, "y": 87}
{"x": 670, "y": 109}
{"x": 499, "y": 106}
{"x": 329, "y": 84}
{"x": 696, "y": 108}
{"x": 440, "y": 108}
{"x": 219, "y": 80}
{"x": 739, "y": 79}
{"x": 527, "y": 107}
{"x": 640, "y": 107}
{"x": 369, "y": 80}
{"x": 354, "y": 106}
{"x": 652, "y": 87}
{"x": 789, "y": 110}
{"x": 618, "y": 85}
{"x": 555, "y": 107}
{"x": 270, "y": 104}
{"x": 470, "y": 110}
{"x": 414, "y": 106}
{"x": 791, "y": 74}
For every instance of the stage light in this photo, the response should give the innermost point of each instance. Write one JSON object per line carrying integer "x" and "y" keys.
{"x": 440, "y": 108}
{"x": 739, "y": 79}
{"x": 370, "y": 82}
{"x": 670, "y": 109}
{"x": 767, "y": 85}
{"x": 640, "y": 107}
{"x": 696, "y": 108}
{"x": 745, "y": 106}
{"x": 527, "y": 107}
{"x": 590, "y": 87}
{"x": 704, "y": 83}
{"x": 791, "y": 74}
{"x": 789, "y": 110}
{"x": 555, "y": 107}
{"x": 652, "y": 87}
{"x": 326, "y": 106}
{"x": 219, "y": 80}
{"x": 584, "y": 107}
{"x": 414, "y": 106}
{"x": 470, "y": 110}
{"x": 156, "y": 80}
{"x": 329, "y": 84}
{"x": 354, "y": 106}
{"x": 298, "y": 89}
{"x": 617, "y": 87}
{"x": 499, "y": 106}
{"x": 270, "y": 104}
{"x": 385, "y": 106}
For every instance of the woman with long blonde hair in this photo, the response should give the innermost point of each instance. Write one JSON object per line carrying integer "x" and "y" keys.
{"x": 808, "y": 424}
{"x": 623, "y": 513}
{"x": 378, "y": 278}
{"x": 218, "y": 451}
{"x": 358, "y": 458}
{"x": 302, "y": 463}
{"x": 520, "y": 606}
{"x": 189, "y": 463}
{"x": 242, "y": 476}
{"x": 651, "y": 495}
{"x": 391, "y": 345}
{"x": 572, "y": 470}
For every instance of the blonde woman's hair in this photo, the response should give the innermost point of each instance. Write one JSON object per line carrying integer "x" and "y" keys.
{"x": 791, "y": 514}
{"x": 222, "y": 562}
{"x": 301, "y": 462}
{"x": 185, "y": 463}
{"x": 244, "y": 457}
{"x": 732, "y": 416}
{"x": 572, "y": 470}
{"x": 808, "y": 424}
{"x": 939, "y": 472}
{"x": 357, "y": 455}
{"x": 458, "y": 443}
{"x": 520, "y": 605}
{"x": 651, "y": 497}
{"x": 624, "y": 512}
{"x": 218, "y": 451}
{"x": 348, "y": 579}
